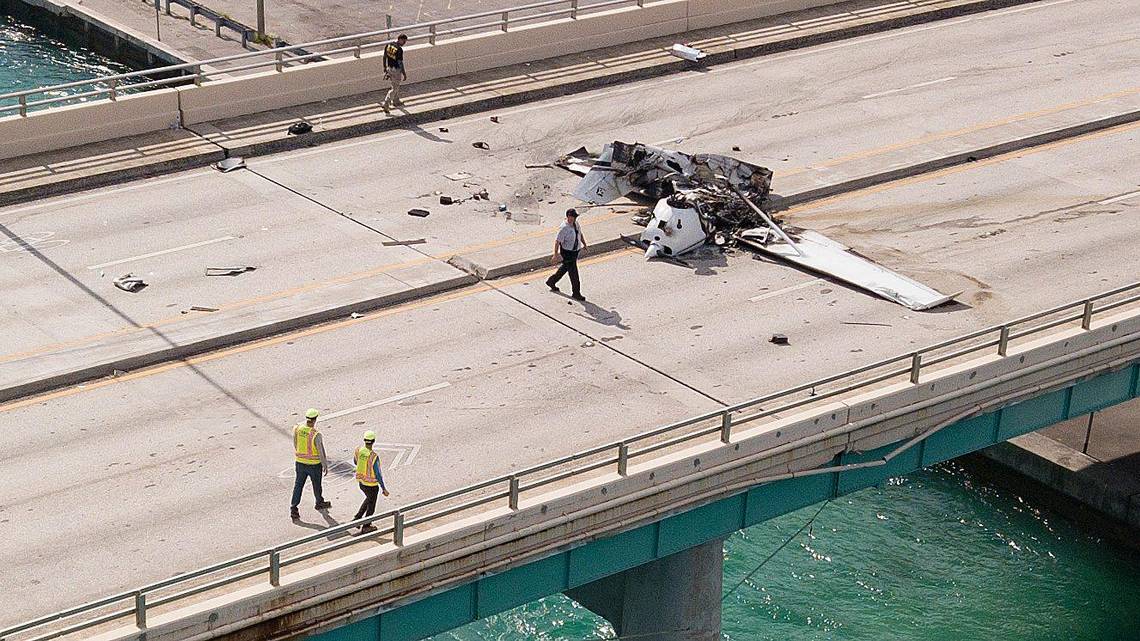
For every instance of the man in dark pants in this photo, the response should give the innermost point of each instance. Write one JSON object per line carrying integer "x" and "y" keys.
{"x": 309, "y": 451}
{"x": 567, "y": 245}
{"x": 367, "y": 464}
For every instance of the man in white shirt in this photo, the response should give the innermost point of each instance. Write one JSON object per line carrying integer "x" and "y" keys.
{"x": 567, "y": 244}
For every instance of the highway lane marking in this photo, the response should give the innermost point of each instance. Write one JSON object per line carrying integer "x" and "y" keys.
{"x": 162, "y": 252}
{"x": 780, "y": 292}
{"x": 909, "y": 87}
{"x": 941, "y": 173}
{"x": 439, "y": 299}
{"x": 384, "y": 401}
{"x": 338, "y": 280}
{"x": 1116, "y": 199}
{"x": 104, "y": 192}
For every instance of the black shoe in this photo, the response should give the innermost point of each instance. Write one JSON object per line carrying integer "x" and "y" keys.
{"x": 366, "y": 528}
{"x": 294, "y": 513}
{"x": 579, "y": 297}
{"x": 553, "y": 287}
{"x": 323, "y": 505}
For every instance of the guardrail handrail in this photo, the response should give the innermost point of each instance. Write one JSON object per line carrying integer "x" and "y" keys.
{"x": 914, "y": 365}
{"x": 276, "y": 57}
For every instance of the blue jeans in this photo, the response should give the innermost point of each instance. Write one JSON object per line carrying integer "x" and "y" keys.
{"x": 306, "y": 471}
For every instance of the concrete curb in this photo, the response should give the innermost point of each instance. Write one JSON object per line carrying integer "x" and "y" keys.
{"x": 1036, "y": 140}
{"x": 319, "y": 137}
{"x": 267, "y": 330}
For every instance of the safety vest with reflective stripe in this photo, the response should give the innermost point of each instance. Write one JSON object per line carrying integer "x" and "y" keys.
{"x": 366, "y": 466}
{"x": 305, "y": 444}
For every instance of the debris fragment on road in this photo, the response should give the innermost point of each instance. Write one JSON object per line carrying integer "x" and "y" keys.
{"x": 703, "y": 197}
{"x": 448, "y": 200}
{"x": 459, "y": 175}
{"x": 230, "y": 164}
{"x": 420, "y": 213}
{"x": 404, "y": 243}
{"x": 479, "y": 144}
{"x": 685, "y": 52}
{"x": 298, "y": 128}
{"x": 229, "y": 271}
{"x": 778, "y": 339}
{"x": 129, "y": 283}
{"x": 199, "y": 308}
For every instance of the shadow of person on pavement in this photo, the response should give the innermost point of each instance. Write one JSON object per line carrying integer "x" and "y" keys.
{"x": 425, "y": 134}
{"x": 603, "y": 316}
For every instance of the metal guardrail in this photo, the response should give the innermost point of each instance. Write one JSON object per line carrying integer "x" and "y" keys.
{"x": 435, "y": 32}
{"x": 617, "y": 455}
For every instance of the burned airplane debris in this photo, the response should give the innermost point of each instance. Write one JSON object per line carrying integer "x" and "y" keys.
{"x": 701, "y": 197}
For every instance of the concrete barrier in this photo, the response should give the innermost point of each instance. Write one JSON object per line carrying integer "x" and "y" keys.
{"x": 245, "y": 95}
{"x": 75, "y": 125}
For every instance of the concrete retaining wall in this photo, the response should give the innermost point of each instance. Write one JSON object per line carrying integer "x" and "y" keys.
{"x": 343, "y": 77}
{"x": 75, "y": 125}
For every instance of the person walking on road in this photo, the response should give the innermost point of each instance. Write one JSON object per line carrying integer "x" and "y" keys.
{"x": 371, "y": 481}
{"x": 567, "y": 245}
{"x": 394, "y": 70}
{"x": 311, "y": 462}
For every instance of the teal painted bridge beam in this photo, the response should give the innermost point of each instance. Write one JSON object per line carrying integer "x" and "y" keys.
{"x": 598, "y": 559}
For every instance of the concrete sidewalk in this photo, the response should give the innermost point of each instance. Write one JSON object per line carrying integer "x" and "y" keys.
{"x": 36, "y": 176}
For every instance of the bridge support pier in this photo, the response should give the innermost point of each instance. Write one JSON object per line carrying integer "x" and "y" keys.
{"x": 676, "y": 598}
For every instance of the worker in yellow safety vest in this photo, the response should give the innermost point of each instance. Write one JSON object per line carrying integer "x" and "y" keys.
{"x": 367, "y": 463}
{"x": 311, "y": 462}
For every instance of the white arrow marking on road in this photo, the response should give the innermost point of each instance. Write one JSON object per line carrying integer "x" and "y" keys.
{"x": 385, "y": 401}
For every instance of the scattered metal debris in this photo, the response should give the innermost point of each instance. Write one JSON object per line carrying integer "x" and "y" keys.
{"x": 685, "y": 52}
{"x": 229, "y": 271}
{"x": 404, "y": 243}
{"x": 356, "y": 315}
{"x": 703, "y": 197}
{"x": 459, "y": 175}
{"x": 298, "y": 128}
{"x": 448, "y": 200}
{"x": 495, "y": 119}
{"x": 198, "y": 308}
{"x": 866, "y": 324}
{"x": 129, "y": 283}
{"x": 443, "y": 130}
{"x": 778, "y": 339}
{"x": 479, "y": 144}
{"x": 420, "y": 213}
{"x": 538, "y": 165}
{"x": 481, "y": 195}
{"x": 230, "y": 164}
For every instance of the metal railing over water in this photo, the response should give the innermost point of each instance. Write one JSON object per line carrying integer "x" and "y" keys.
{"x": 616, "y": 456}
{"x": 435, "y": 32}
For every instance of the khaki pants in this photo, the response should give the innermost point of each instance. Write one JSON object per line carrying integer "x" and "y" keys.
{"x": 395, "y": 77}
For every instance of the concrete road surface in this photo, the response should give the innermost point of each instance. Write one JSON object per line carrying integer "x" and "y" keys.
{"x": 132, "y": 479}
{"x": 803, "y": 114}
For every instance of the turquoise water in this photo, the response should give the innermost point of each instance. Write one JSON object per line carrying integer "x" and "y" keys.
{"x": 31, "y": 59}
{"x": 935, "y": 555}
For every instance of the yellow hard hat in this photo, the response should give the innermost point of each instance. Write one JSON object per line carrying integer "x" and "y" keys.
{"x": 370, "y": 435}
{"x": 311, "y": 413}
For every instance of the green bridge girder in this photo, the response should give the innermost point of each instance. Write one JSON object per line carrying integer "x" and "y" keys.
{"x": 571, "y": 568}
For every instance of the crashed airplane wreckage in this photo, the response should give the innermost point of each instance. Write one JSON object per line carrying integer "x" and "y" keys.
{"x": 708, "y": 196}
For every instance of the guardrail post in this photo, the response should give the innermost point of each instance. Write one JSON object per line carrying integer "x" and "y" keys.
{"x": 198, "y": 75}
{"x": 1086, "y": 317}
{"x": 513, "y": 493}
{"x": 1003, "y": 340}
{"x": 112, "y": 84}
{"x": 505, "y": 20}
{"x": 398, "y": 529}
{"x": 193, "y": 15}
{"x": 623, "y": 459}
{"x": 274, "y": 568}
{"x": 641, "y": 3}
{"x": 356, "y": 52}
{"x": 218, "y": 27}
{"x": 23, "y": 105}
{"x": 431, "y": 34}
{"x": 168, "y": 7}
{"x": 573, "y": 9}
{"x": 140, "y": 610}
{"x": 915, "y": 367}
{"x": 280, "y": 58}
{"x": 726, "y": 427}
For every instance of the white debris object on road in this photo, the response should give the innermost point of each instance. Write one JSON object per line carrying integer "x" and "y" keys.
{"x": 685, "y": 52}
{"x": 673, "y": 230}
{"x": 822, "y": 254}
